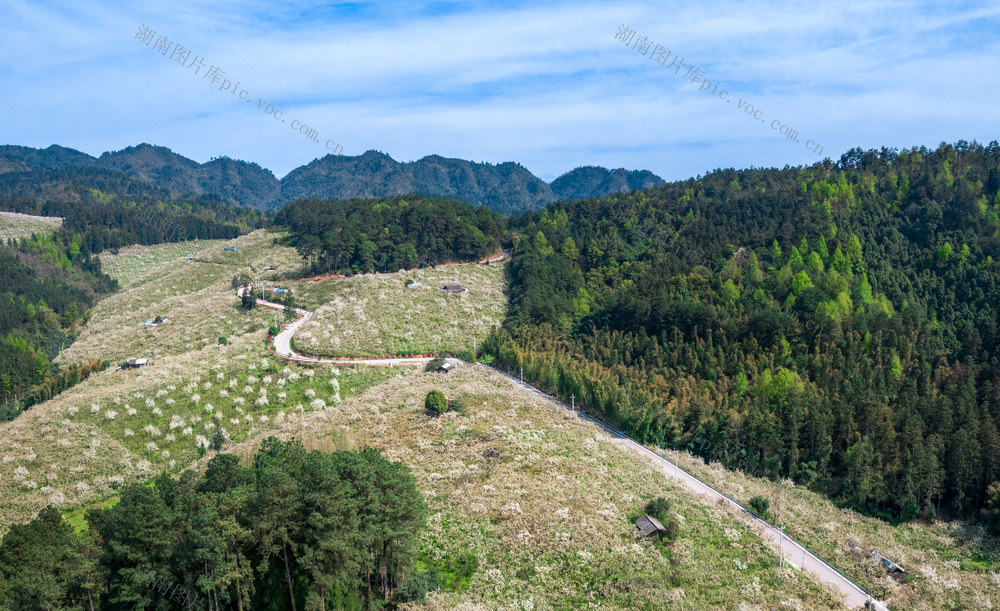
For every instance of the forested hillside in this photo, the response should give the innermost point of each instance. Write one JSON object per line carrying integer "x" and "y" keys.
{"x": 143, "y": 166}
{"x": 296, "y": 529}
{"x": 105, "y": 220}
{"x": 389, "y": 234}
{"x": 49, "y": 284}
{"x": 835, "y": 324}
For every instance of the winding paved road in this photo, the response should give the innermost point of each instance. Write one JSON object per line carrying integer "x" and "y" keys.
{"x": 795, "y": 554}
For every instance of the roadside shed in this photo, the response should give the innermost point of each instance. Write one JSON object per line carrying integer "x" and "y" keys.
{"x": 894, "y": 570}
{"x": 650, "y": 526}
{"x": 138, "y": 362}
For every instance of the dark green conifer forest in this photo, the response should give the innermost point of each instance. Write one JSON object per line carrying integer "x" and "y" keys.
{"x": 295, "y": 529}
{"x": 390, "y": 234}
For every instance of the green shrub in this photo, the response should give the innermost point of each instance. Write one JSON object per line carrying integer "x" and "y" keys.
{"x": 673, "y": 530}
{"x": 659, "y": 508}
{"x": 415, "y": 588}
{"x": 218, "y": 439}
{"x": 434, "y": 364}
{"x": 456, "y": 405}
{"x": 436, "y": 402}
{"x": 223, "y": 341}
{"x": 761, "y": 506}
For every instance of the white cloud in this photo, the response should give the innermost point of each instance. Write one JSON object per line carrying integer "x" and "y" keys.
{"x": 547, "y": 87}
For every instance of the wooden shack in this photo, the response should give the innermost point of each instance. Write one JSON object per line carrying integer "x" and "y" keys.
{"x": 453, "y": 289}
{"x": 894, "y": 570}
{"x": 650, "y": 526}
{"x": 446, "y": 367}
{"x": 138, "y": 362}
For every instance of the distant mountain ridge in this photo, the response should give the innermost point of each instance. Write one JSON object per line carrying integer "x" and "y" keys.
{"x": 506, "y": 187}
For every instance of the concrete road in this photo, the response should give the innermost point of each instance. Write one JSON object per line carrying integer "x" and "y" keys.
{"x": 794, "y": 553}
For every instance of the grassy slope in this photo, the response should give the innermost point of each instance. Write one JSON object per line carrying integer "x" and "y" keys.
{"x": 75, "y": 448}
{"x": 378, "y": 314}
{"x": 133, "y": 263}
{"x": 17, "y": 226}
{"x": 545, "y": 503}
{"x": 196, "y": 295}
{"x": 952, "y": 565}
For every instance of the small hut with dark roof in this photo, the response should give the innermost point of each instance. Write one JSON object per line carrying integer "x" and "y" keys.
{"x": 893, "y": 570}
{"x": 650, "y": 526}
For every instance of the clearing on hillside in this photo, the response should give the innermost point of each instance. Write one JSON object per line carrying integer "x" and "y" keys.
{"x": 16, "y": 225}
{"x": 532, "y": 508}
{"x": 378, "y": 314}
{"x": 132, "y": 263}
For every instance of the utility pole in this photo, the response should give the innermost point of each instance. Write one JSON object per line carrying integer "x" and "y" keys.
{"x": 522, "y": 375}
{"x": 572, "y": 403}
{"x": 781, "y": 542}
{"x": 677, "y": 457}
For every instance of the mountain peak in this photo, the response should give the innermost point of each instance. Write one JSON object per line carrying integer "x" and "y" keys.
{"x": 507, "y": 187}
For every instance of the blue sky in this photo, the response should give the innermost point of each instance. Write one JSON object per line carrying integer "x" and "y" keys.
{"x": 547, "y": 86}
